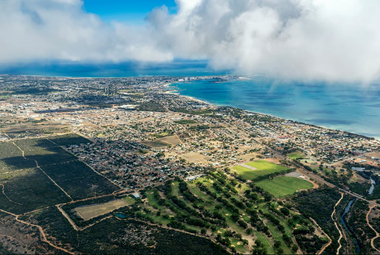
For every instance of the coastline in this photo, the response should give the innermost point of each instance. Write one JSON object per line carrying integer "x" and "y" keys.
{"x": 175, "y": 92}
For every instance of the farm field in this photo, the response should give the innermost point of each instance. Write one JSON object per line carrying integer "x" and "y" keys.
{"x": 78, "y": 180}
{"x": 295, "y": 155}
{"x": 262, "y": 168}
{"x": 28, "y": 189}
{"x": 283, "y": 185}
{"x": 69, "y": 139}
{"x": 48, "y": 175}
{"x": 91, "y": 211}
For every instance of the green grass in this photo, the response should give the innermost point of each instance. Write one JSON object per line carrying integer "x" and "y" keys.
{"x": 295, "y": 155}
{"x": 185, "y": 122}
{"x": 283, "y": 186}
{"x": 265, "y": 241}
{"x": 239, "y": 247}
{"x": 307, "y": 161}
{"x": 129, "y": 200}
{"x": 262, "y": 168}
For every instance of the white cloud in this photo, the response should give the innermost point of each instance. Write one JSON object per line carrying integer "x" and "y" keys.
{"x": 296, "y": 39}
{"x": 60, "y": 29}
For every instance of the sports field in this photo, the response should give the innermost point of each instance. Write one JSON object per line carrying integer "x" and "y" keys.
{"x": 283, "y": 186}
{"x": 295, "y": 155}
{"x": 262, "y": 168}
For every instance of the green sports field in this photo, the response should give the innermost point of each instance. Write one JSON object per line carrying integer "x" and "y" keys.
{"x": 262, "y": 168}
{"x": 295, "y": 155}
{"x": 283, "y": 186}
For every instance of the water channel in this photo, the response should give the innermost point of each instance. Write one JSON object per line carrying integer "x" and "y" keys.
{"x": 346, "y": 210}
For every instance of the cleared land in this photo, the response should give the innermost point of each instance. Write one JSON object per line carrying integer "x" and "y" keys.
{"x": 91, "y": 211}
{"x": 262, "y": 168}
{"x": 195, "y": 157}
{"x": 173, "y": 140}
{"x": 155, "y": 144}
{"x": 284, "y": 185}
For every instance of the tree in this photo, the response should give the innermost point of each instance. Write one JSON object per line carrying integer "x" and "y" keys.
{"x": 249, "y": 231}
{"x": 258, "y": 243}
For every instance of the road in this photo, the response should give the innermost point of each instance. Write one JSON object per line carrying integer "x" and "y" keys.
{"x": 336, "y": 224}
{"x": 377, "y": 234}
{"x": 316, "y": 177}
{"x": 42, "y": 233}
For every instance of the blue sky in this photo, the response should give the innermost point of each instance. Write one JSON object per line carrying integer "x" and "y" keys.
{"x": 125, "y": 10}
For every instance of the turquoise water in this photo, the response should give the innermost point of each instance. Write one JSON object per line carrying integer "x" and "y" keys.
{"x": 121, "y": 215}
{"x": 349, "y": 108}
{"x": 126, "y": 69}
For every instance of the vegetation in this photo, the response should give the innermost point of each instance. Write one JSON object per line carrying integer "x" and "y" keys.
{"x": 31, "y": 182}
{"x": 263, "y": 169}
{"x": 214, "y": 206}
{"x": 184, "y": 122}
{"x": 295, "y": 155}
{"x": 283, "y": 186}
{"x": 324, "y": 199}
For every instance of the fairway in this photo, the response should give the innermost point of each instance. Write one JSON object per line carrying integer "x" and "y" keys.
{"x": 283, "y": 186}
{"x": 91, "y": 211}
{"x": 262, "y": 168}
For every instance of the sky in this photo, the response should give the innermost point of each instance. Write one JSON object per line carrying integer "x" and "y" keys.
{"x": 303, "y": 40}
{"x": 125, "y": 10}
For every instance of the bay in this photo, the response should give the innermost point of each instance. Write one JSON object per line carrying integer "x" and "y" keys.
{"x": 352, "y": 108}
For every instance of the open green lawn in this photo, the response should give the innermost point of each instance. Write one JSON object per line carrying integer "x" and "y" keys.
{"x": 283, "y": 186}
{"x": 295, "y": 155}
{"x": 262, "y": 168}
{"x": 308, "y": 161}
{"x": 185, "y": 122}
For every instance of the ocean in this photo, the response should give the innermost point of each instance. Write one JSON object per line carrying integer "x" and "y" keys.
{"x": 352, "y": 108}
{"x": 125, "y": 69}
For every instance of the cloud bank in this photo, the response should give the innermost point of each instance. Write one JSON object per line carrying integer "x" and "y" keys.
{"x": 291, "y": 39}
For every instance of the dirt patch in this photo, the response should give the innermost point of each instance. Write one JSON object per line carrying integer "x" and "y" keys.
{"x": 273, "y": 160}
{"x": 195, "y": 157}
{"x": 173, "y": 140}
{"x": 91, "y": 211}
{"x": 294, "y": 174}
{"x": 155, "y": 144}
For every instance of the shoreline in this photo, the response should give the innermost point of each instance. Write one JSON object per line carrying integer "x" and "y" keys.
{"x": 175, "y": 92}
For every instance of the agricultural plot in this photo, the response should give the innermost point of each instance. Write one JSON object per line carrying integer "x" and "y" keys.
{"x": 283, "y": 186}
{"x": 69, "y": 139}
{"x": 44, "y": 151}
{"x": 78, "y": 180}
{"x": 11, "y": 158}
{"x": 27, "y": 190}
{"x": 262, "y": 168}
{"x": 26, "y": 187}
